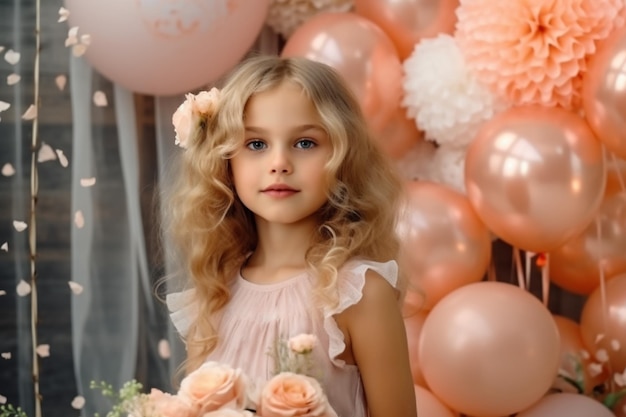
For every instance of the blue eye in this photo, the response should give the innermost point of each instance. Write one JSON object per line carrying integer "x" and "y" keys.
{"x": 256, "y": 145}
{"x": 305, "y": 144}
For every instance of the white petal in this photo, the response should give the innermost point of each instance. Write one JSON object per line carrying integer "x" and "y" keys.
{"x": 46, "y": 153}
{"x": 100, "y": 99}
{"x": 615, "y": 345}
{"x": 164, "y": 349}
{"x": 79, "y": 220}
{"x": 75, "y": 287}
{"x": 61, "y": 81}
{"x": 62, "y": 158}
{"x": 63, "y": 14}
{"x": 19, "y": 225}
{"x": 30, "y": 113}
{"x": 87, "y": 182}
{"x": 78, "y": 402}
{"x": 12, "y": 57}
{"x": 599, "y": 337}
{"x": 8, "y": 170}
{"x": 4, "y": 105}
{"x": 6, "y": 355}
{"x": 602, "y": 355}
{"x": 85, "y": 39}
{"x": 3, "y": 292}
{"x": 5, "y": 246}
{"x": 3, "y": 399}
{"x": 23, "y": 288}
{"x": 79, "y": 50}
{"x": 595, "y": 369}
{"x": 43, "y": 350}
{"x": 13, "y": 79}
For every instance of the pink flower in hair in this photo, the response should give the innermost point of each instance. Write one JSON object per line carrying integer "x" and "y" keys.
{"x": 192, "y": 116}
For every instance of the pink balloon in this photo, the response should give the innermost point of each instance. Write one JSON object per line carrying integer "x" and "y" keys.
{"x": 413, "y": 324}
{"x": 566, "y": 405}
{"x": 160, "y": 47}
{"x": 444, "y": 245}
{"x": 489, "y": 349}
{"x": 361, "y": 52}
{"x": 429, "y": 406}
{"x": 535, "y": 176}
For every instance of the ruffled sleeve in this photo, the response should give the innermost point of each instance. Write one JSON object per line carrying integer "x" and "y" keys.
{"x": 351, "y": 285}
{"x": 183, "y": 310}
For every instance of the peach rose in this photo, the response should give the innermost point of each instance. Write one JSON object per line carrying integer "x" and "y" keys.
{"x": 206, "y": 102}
{"x": 166, "y": 405}
{"x": 185, "y": 121}
{"x": 294, "y": 395}
{"x": 229, "y": 412}
{"x": 302, "y": 343}
{"x": 214, "y": 386}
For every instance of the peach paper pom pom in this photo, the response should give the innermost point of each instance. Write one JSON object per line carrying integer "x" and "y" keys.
{"x": 285, "y": 16}
{"x": 534, "y": 51}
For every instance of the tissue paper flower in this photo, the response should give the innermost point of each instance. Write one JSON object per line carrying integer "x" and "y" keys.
{"x": 442, "y": 95}
{"x": 534, "y": 51}
{"x": 448, "y": 167}
{"x": 285, "y": 16}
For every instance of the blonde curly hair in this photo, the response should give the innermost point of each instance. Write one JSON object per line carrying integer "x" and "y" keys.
{"x": 213, "y": 232}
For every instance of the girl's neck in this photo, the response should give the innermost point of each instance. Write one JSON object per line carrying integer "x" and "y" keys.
{"x": 280, "y": 251}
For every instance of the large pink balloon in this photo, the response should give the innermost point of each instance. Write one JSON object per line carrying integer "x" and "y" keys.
{"x": 603, "y": 325}
{"x": 361, "y": 52}
{"x": 444, "y": 245}
{"x": 489, "y": 349}
{"x": 429, "y": 406}
{"x": 604, "y": 95}
{"x": 535, "y": 176}
{"x": 413, "y": 325}
{"x": 408, "y": 21}
{"x": 566, "y": 405}
{"x": 160, "y": 47}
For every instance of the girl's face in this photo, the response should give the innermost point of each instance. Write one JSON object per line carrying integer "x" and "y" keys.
{"x": 279, "y": 171}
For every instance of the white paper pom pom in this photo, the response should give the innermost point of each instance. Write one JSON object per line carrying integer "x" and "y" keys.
{"x": 415, "y": 165}
{"x": 448, "y": 167}
{"x": 444, "y": 98}
{"x": 285, "y": 16}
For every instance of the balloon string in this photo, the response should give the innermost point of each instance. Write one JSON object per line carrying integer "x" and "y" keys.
{"x": 603, "y": 298}
{"x": 518, "y": 268}
{"x": 527, "y": 258}
{"x": 545, "y": 280}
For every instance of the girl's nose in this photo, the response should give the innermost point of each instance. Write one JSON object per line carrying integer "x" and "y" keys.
{"x": 281, "y": 162}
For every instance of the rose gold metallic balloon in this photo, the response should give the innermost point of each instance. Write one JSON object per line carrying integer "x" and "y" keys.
{"x": 535, "y": 176}
{"x": 489, "y": 349}
{"x": 565, "y": 404}
{"x": 399, "y": 135}
{"x": 608, "y": 335}
{"x": 604, "y": 92}
{"x": 408, "y": 21}
{"x": 444, "y": 245}
{"x": 361, "y": 52}
{"x": 413, "y": 325}
{"x": 575, "y": 266}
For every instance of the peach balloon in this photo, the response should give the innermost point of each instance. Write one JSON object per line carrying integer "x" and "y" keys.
{"x": 429, "y": 406}
{"x": 160, "y": 47}
{"x": 615, "y": 177}
{"x": 408, "y": 21}
{"x": 489, "y": 349}
{"x": 573, "y": 356}
{"x": 413, "y": 325}
{"x": 398, "y": 136}
{"x": 535, "y": 176}
{"x": 444, "y": 245}
{"x": 567, "y": 405}
{"x": 576, "y": 265}
{"x": 361, "y": 52}
{"x": 602, "y": 327}
{"x": 603, "y": 92}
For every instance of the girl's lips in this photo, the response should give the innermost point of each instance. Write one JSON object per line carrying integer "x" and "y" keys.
{"x": 277, "y": 192}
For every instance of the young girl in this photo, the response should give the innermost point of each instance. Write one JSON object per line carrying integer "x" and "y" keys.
{"x": 284, "y": 216}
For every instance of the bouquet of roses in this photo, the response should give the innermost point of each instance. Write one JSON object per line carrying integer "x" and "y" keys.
{"x": 218, "y": 390}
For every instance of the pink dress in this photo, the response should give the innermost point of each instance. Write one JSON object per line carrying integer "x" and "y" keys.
{"x": 258, "y": 315}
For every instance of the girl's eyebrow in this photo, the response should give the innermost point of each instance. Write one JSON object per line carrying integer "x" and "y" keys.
{"x": 297, "y": 129}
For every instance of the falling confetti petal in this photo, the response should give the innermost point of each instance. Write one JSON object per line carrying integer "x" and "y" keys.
{"x": 1, "y": 48}
{"x": 72, "y": 36}
{"x": 85, "y": 39}
{"x": 599, "y": 337}
{"x": 62, "y": 158}
{"x": 584, "y": 354}
{"x": 61, "y": 81}
{"x": 87, "y": 182}
{"x": 75, "y": 287}
{"x": 8, "y": 170}
{"x": 595, "y": 369}
{"x": 5, "y": 246}
{"x": 78, "y": 402}
{"x": 79, "y": 50}
{"x": 6, "y": 355}
{"x": 620, "y": 379}
{"x": 4, "y": 105}
{"x": 615, "y": 345}
{"x": 100, "y": 99}
{"x": 602, "y": 356}
{"x": 30, "y": 113}
{"x": 23, "y": 288}
{"x": 3, "y": 399}
{"x": 43, "y": 351}
{"x": 46, "y": 153}
{"x": 164, "y": 349}
{"x": 79, "y": 220}
{"x": 13, "y": 79}
{"x": 63, "y": 14}
{"x": 12, "y": 57}
{"x": 3, "y": 292}
{"x": 20, "y": 226}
